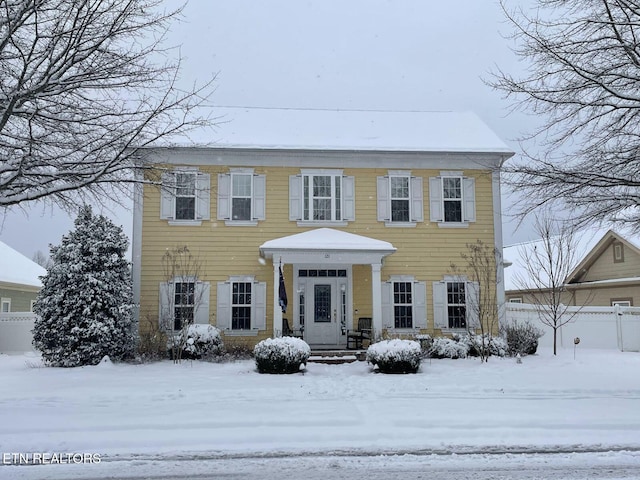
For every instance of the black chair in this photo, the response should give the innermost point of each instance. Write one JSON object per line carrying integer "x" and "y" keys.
{"x": 288, "y": 332}
{"x": 356, "y": 338}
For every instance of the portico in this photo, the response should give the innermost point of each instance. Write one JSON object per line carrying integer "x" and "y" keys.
{"x": 322, "y": 297}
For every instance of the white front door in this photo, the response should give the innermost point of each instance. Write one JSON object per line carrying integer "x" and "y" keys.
{"x": 324, "y": 314}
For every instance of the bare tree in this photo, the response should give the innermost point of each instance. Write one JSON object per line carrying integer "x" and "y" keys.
{"x": 82, "y": 88}
{"x": 583, "y": 79}
{"x": 42, "y": 259}
{"x": 480, "y": 271}
{"x": 546, "y": 267}
{"x": 181, "y": 297}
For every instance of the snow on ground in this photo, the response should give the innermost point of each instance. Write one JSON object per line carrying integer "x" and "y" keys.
{"x": 123, "y": 412}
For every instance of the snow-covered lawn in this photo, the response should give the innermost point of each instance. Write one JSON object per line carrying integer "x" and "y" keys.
{"x": 119, "y": 411}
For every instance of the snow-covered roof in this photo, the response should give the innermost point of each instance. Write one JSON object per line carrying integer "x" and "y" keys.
{"x": 16, "y": 268}
{"x": 586, "y": 240}
{"x": 327, "y": 239}
{"x": 368, "y": 130}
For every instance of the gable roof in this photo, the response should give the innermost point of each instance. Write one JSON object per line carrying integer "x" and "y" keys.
{"x": 590, "y": 243}
{"x": 360, "y": 130}
{"x": 326, "y": 239}
{"x": 18, "y": 269}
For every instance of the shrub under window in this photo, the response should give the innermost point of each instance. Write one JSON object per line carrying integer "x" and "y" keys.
{"x": 281, "y": 355}
{"x": 395, "y": 356}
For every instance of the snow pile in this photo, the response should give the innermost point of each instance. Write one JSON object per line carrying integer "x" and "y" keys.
{"x": 202, "y": 341}
{"x": 281, "y": 355}
{"x": 395, "y": 356}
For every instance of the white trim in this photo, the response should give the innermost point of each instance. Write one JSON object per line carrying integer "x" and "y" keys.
{"x": 185, "y": 223}
{"x": 3, "y": 302}
{"x": 497, "y": 234}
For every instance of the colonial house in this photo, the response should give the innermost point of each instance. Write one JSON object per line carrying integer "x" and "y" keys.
{"x": 606, "y": 271}
{"x": 363, "y": 212}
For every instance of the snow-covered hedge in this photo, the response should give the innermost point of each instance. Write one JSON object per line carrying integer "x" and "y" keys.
{"x": 495, "y": 346}
{"x": 443, "y": 347}
{"x": 522, "y": 338}
{"x": 281, "y": 355}
{"x": 203, "y": 341}
{"x": 395, "y": 356}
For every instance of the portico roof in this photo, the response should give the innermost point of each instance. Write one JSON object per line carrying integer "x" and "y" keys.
{"x": 327, "y": 241}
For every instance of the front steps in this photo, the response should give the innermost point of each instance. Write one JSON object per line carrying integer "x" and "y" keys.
{"x": 336, "y": 357}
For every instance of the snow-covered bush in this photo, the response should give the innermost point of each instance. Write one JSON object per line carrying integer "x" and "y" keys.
{"x": 493, "y": 346}
{"x": 443, "y": 347}
{"x": 395, "y": 356}
{"x": 522, "y": 338}
{"x": 85, "y": 306}
{"x": 203, "y": 341}
{"x": 281, "y": 355}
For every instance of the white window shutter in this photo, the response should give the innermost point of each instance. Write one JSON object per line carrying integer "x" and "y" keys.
{"x": 224, "y": 196}
{"x": 223, "y": 310}
{"x": 348, "y": 198}
{"x": 440, "y": 318}
{"x": 295, "y": 197}
{"x": 259, "y": 310}
{"x": 435, "y": 199}
{"x": 419, "y": 305}
{"x": 472, "y": 300}
{"x": 259, "y": 197}
{"x": 417, "y": 208}
{"x": 388, "y": 320}
{"x": 384, "y": 208}
{"x": 165, "y": 311}
{"x": 469, "y": 196}
{"x": 203, "y": 196}
{"x": 167, "y": 196}
{"x": 201, "y": 294}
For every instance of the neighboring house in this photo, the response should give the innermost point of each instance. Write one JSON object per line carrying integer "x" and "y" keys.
{"x": 364, "y": 212}
{"x": 607, "y": 271}
{"x": 19, "y": 282}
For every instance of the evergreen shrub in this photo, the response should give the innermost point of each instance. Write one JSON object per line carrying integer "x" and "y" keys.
{"x": 395, "y": 356}
{"x": 281, "y": 355}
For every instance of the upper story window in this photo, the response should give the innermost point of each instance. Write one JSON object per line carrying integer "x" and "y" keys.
{"x": 400, "y": 199}
{"x": 404, "y": 303}
{"x": 185, "y": 196}
{"x": 452, "y": 199}
{"x": 241, "y": 197}
{"x": 241, "y": 306}
{"x": 321, "y": 196}
{"x": 618, "y": 253}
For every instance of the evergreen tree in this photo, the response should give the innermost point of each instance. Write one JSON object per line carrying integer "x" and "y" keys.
{"x": 85, "y": 306}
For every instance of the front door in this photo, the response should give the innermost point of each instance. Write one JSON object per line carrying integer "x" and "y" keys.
{"x": 325, "y": 317}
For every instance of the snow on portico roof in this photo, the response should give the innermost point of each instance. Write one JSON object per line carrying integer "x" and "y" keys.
{"x": 327, "y": 239}
{"x": 16, "y": 268}
{"x": 368, "y": 130}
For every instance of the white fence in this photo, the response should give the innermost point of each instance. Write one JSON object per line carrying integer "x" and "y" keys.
{"x": 596, "y": 327}
{"x": 15, "y": 332}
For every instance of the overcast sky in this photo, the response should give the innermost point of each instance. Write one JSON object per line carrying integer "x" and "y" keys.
{"x": 346, "y": 54}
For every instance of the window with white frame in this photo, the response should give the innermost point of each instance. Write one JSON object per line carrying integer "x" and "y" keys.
{"x": 241, "y": 197}
{"x": 621, "y": 302}
{"x": 241, "y": 306}
{"x": 5, "y": 305}
{"x": 515, "y": 300}
{"x": 400, "y": 199}
{"x": 185, "y": 196}
{"x": 323, "y": 196}
{"x": 452, "y": 199}
{"x": 183, "y": 301}
{"x": 404, "y": 303}
{"x": 455, "y": 302}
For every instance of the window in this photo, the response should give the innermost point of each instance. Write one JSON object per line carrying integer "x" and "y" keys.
{"x": 33, "y": 302}
{"x": 185, "y": 197}
{"x": 184, "y": 304}
{"x": 515, "y": 300}
{"x": 183, "y": 301}
{"x": 241, "y": 306}
{"x": 5, "y": 305}
{"x": 324, "y": 196}
{"x": 452, "y": 199}
{"x": 626, "y": 302}
{"x": 241, "y": 197}
{"x": 618, "y": 253}
{"x": 404, "y": 303}
{"x": 400, "y": 199}
{"x": 455, "y": 302}
{"x": 456, "y": 305}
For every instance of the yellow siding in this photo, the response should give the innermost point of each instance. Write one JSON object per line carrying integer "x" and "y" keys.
{"x": 425, "y": 251}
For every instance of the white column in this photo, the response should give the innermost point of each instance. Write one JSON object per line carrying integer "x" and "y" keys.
{"x": 376, "y": 296}
{"x": 277, "y": 311}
